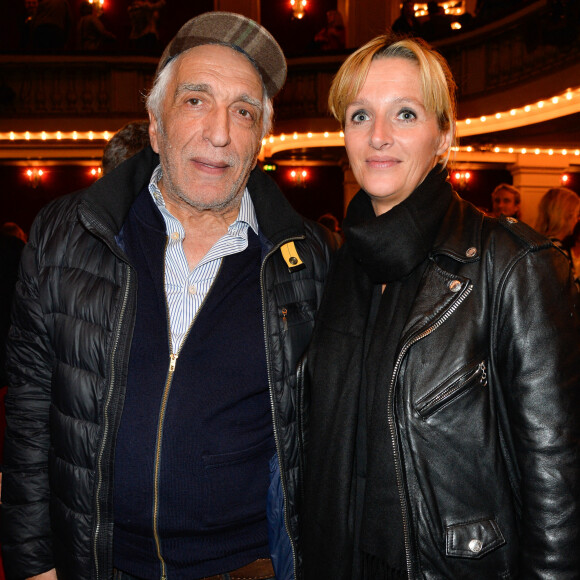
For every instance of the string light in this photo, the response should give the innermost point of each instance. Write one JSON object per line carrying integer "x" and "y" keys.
{"x": 556, "y": 106}
{"x": 277, "y": 143}
{"x": 561, "y": 105}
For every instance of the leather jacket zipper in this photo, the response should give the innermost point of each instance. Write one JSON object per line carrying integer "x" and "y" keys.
{"x": 476, "y": 373}
{"x": 393, "y": 428}
{"x": 274, "y": 423}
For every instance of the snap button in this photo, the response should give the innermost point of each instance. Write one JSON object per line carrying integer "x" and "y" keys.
{"x": 475, "y": 546}
{"x": 511, "y": 220}
{"x": 471, "y": 252}
{"x": 293, "y": 260}
{"x": 455, "y": 285}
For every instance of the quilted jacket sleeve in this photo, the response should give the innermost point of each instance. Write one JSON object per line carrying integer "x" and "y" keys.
{"x": 26, "y": 542}
{"x": 538, "y": 354}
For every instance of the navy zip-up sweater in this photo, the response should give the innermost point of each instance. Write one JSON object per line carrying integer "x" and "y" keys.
{"x": 191, "y": 466}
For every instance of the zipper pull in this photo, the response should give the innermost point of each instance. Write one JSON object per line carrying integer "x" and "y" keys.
{"x": 483, "y": 378}
{"x": 172, "y": 362}
{"x": 284, "y": 319}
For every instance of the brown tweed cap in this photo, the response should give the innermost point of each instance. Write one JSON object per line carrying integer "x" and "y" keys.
{"x": 238, "y": 32}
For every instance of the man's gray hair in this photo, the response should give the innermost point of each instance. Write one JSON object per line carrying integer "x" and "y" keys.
{"x": 157, "y": 93}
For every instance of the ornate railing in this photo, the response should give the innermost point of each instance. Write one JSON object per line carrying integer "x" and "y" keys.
{"x": 101, "y": 92}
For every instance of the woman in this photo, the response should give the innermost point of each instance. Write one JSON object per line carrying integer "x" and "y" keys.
{"x": 558, "y": 213}
{"x": 443, "y": 435}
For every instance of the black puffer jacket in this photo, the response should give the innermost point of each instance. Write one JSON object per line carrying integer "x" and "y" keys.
{"x": 68, "y": 358}
{"x": 483, "y": 408}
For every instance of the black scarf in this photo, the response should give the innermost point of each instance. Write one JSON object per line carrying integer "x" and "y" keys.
{"x": 391, "y": 249}
{"x": 390, "y": 246}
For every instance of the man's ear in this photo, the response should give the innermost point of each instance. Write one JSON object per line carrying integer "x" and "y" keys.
{"x": 153, "y": 133}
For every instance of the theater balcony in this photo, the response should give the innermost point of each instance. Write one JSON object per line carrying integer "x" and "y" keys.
{"x": 518, "y": 102}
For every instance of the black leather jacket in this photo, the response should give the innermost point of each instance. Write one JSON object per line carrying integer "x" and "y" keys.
{"x": 68, "y": 357}
{"x": 487, "y": 375}
{"x": 485, "y": 412}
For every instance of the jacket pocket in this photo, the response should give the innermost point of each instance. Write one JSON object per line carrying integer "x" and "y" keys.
{"x": 472, "y": 376}
{"x": 473, "y": 539}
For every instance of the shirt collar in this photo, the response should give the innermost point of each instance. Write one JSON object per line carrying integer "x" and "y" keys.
{"x": 246, "y": 214}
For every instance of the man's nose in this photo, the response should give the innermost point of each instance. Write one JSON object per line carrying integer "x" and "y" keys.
{"x": 217, "y": 127}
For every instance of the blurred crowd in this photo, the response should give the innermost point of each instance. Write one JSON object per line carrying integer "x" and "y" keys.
{"x": 52, "y": 26}
{"x": 559, "y": 23}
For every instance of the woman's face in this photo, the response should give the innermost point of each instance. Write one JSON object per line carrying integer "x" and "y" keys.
{"x": 392, "y": 141}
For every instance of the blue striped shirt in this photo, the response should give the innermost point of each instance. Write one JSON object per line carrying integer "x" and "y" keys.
{"x": 186, "y": 290}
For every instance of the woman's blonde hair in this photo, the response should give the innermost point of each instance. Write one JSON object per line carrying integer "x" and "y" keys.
{"x": 558, "y": 207}
{"x": 437, "y": 85}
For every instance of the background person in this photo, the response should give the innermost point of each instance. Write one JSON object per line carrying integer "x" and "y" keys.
{"x": 91, "y": 32}
{"x": 443, "y": 433}
{"x": 330, "y": 221}
{"x": 144, "y": 17}
{"x": 51, "y": 26}
{"x": 333, "y": 35}
{"x": 407, "y": 23}
{"x": 437, "y": 24}
{"x": 506, "y": 200}
{"x": 30, "y": 7}
{"x": 558, "y": 213}
{"x": 12, "y": 240}
{"x": 574, "y": 245}
{"x": 153, "y": 408}
{"x": 126, "y": 142}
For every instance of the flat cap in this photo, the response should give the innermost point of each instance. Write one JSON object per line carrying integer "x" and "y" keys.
{"x": 240, "y": 33}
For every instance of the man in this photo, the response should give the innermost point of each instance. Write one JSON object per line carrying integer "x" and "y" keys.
{"x": 154, "y": 412}
{"x": 506, "y": 201}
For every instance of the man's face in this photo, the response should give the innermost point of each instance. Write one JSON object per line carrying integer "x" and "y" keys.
{"x": 209, "y": 134}
{"x": 504, "y": 202}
